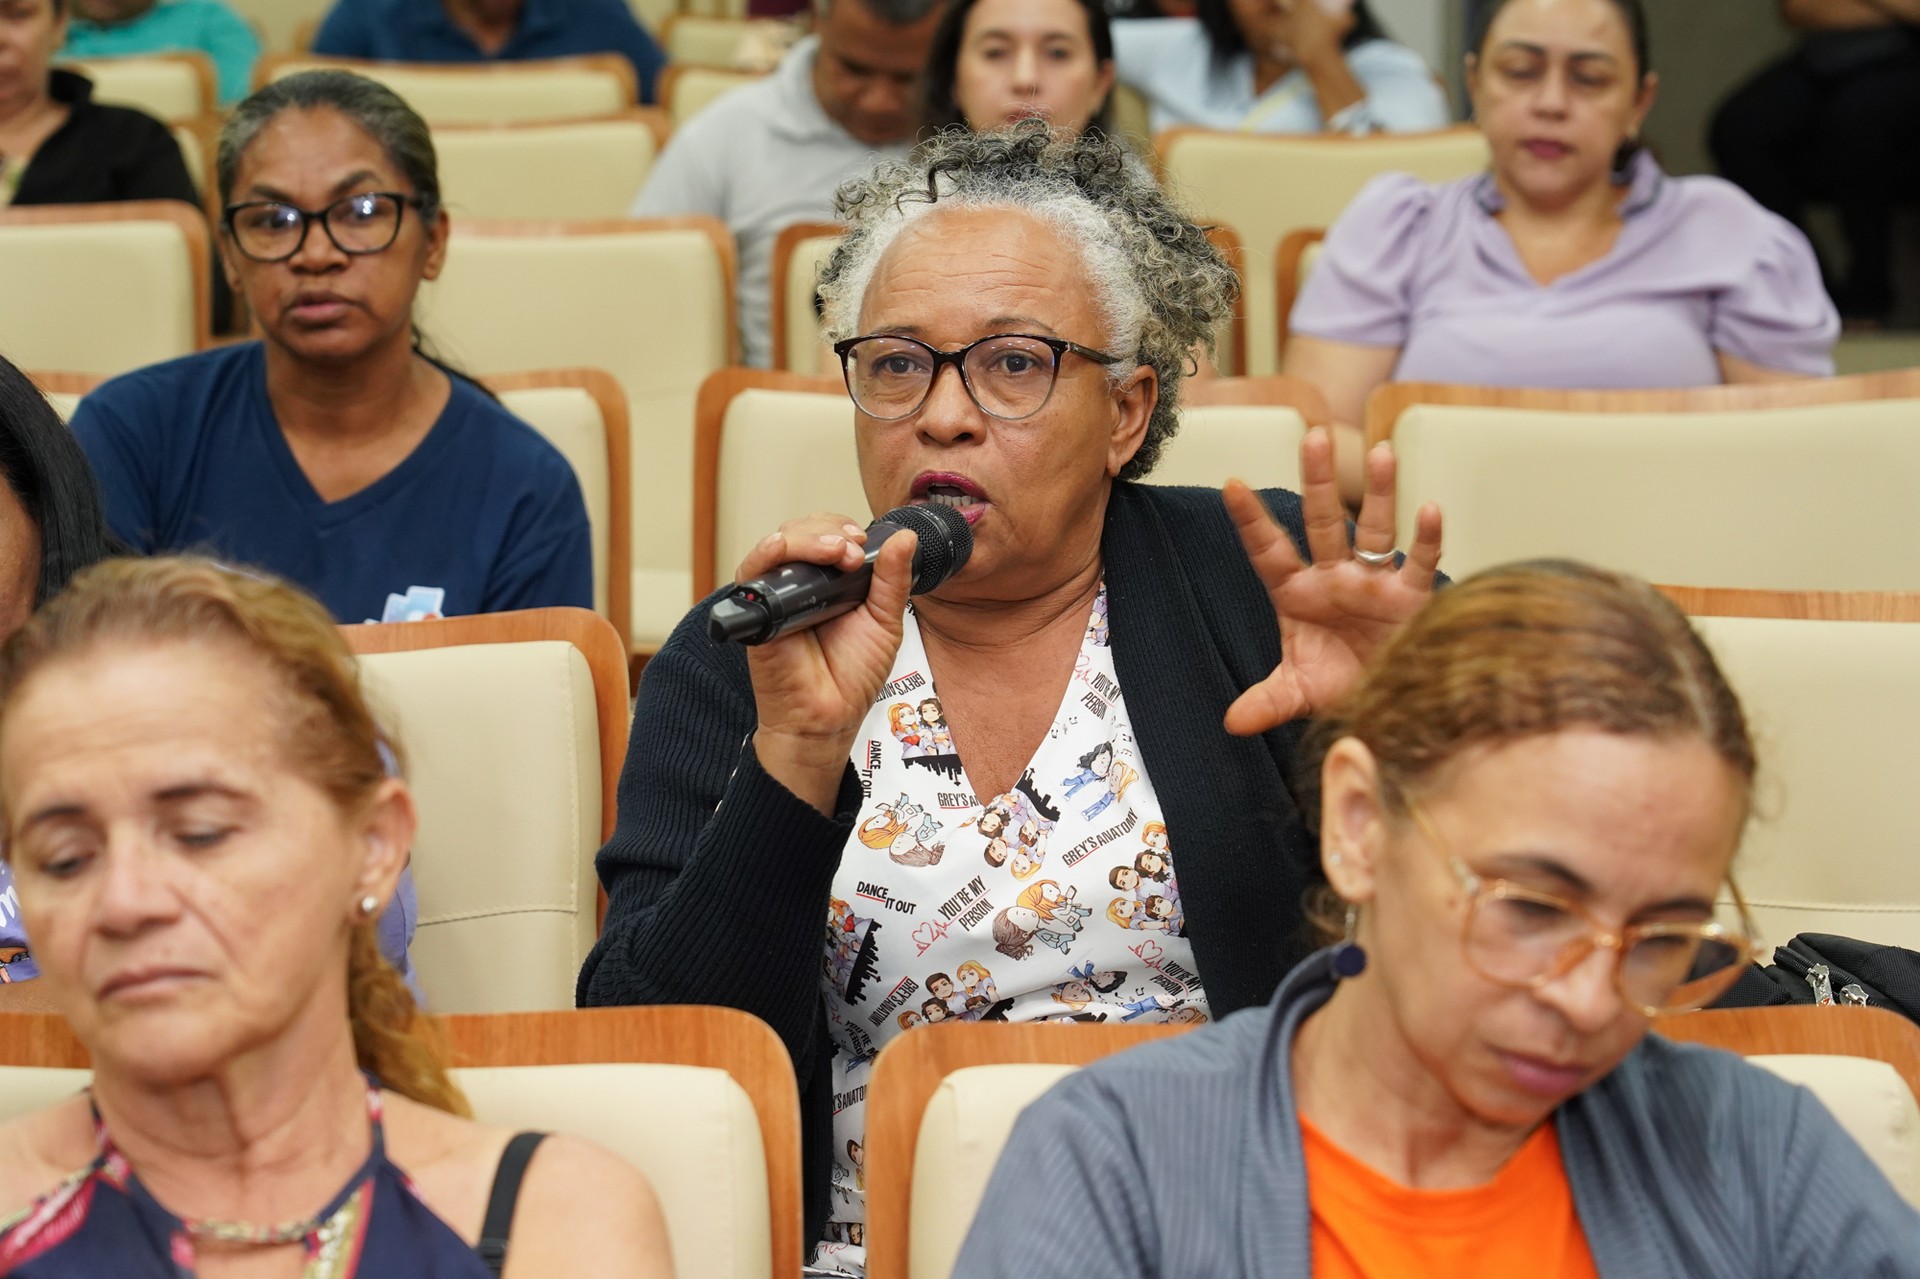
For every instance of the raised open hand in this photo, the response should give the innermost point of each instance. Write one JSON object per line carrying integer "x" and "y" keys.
{"x": 1336, "y": 612}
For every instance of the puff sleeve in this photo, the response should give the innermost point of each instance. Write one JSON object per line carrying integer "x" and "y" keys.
{"x": 1361, "y": 289}
{"x": 1777, "y": 314}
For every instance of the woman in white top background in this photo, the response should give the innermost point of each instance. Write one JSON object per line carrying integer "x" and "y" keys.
{"x": 1279, "y": 66}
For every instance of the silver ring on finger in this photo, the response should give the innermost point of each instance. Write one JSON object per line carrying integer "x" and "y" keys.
{"x": 1376, "y": 559}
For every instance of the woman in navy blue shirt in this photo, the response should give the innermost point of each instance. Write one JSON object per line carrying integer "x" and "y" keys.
{"x": 334, "y": 452}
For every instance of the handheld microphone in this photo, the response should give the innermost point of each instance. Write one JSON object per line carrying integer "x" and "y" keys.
{"x": 798, "y": 595}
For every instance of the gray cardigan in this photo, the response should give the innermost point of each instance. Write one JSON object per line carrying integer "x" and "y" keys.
{"x": 1182, "y": 1159}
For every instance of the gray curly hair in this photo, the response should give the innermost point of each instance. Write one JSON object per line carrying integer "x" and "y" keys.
{"x": 1160, "y": 286}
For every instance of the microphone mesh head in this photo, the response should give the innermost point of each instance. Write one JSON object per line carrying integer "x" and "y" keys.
{"x": 946, "y": 540}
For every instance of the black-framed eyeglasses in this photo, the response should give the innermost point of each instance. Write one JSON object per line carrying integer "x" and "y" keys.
{"x": 1524, "y": 939}
{"x": 270, "y": 231}
{"x": 1009, "y": 375}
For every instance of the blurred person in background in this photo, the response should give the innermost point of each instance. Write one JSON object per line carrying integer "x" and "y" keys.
{"x": 770, "y": 154}
{"x": 489, "y": 31}
{"x": 1574, "y": 261}
{"x": 1836, "y": 121}
{"x": 997, "y": 62}
{"x": 125, "y": 28}
{"x": 1279, "y": 66}
{"x": 334, "y": 451}
{"x": 59, "y": 146}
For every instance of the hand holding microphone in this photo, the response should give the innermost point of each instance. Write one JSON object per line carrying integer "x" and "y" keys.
{"x": 820, "y": 603}
{"x": 801, "y": 594}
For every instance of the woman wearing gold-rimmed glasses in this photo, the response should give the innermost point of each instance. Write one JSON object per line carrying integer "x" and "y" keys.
{"x": 1529, "y": 809}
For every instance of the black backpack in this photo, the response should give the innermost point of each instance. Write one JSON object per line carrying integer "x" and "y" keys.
{"x": 1856, "y": 972}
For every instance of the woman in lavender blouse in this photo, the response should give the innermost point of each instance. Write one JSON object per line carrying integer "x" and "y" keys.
{"x": 1573, "y": 262}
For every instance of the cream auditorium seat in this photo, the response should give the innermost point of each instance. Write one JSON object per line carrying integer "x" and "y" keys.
{"x": 702, "y": 40}
{"x": 687, "y": 90}
{"x": 514, "y": 727}
{"x": 143, "y": 262}
{"x": 1785, "y": 486}
{"x": 583, "y": 413}
{"x": 1265, "y": 185}
{"x": 800, "y": 253}
{"x": 649, "y": 301}
{"x": 548, "y": 169}
{"x": 574, "y": 88}
{"x": 1828, "y": 682}
{"x": 702, "y": 1100}
{"x": 768, "y": 447}
{"x": 1240, "y": 428}
{"x": 168, "y": 86}
{"x": 939, "y": 1108}
{"x": 284, "y": 26}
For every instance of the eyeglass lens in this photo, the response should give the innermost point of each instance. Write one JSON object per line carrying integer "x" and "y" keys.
{"x": 358, "y": 224}
{"x": 1518, "y": 940}
{"x": 1009, "y": 376}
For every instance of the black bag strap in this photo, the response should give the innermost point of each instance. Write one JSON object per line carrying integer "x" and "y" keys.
{"x": 507, "y": 1177}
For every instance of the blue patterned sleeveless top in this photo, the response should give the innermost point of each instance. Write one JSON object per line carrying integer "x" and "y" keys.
{"x": 102, "y": 1221}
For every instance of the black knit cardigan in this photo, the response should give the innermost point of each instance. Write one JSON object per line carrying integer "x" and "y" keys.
{"x": 718, "y": 877}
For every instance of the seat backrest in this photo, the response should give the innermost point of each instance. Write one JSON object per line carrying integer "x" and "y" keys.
{"x": 583, "y": 413}
{"x": 1216, "y": 443}
{"x": 1828, "y": 700}
{"x": 548, "y": 169}
{"x": 1863, "y": 1064}
{"x": 686, "y": 90}
{"x": 690, "y": 1129}
{"x": 594, "y": 84}
{"x": 168, "y": 86}
{"x": 1674, "y": 496}
{"x": 281, "y": 23}
{"x": 799, "y": 253}
{"x": 1244, "y": 427}
{"x": 144, "y": 262}
{"x": 683, "y": 1126}
{"x": 702, "y": 40}
{"x": 648, "y": 301}
{"x": 503, "y": 721}
{"x": 942, "y": 1105}
{"x": 1265, "y": 185}
{"x": 769, "y": 446}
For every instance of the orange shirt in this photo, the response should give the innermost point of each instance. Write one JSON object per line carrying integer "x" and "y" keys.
{"x": 1520, "y": 1225}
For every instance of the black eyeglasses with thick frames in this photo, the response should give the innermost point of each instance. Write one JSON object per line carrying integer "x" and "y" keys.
{"x": 272, "y": 231}
{"x": 1008, "y": 375}
{"x": 1520, "y": 938}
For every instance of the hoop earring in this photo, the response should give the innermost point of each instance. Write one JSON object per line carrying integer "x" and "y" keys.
{"x": 1349, "y": 959}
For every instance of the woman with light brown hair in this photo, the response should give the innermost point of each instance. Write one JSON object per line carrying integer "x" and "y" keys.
{"x": 204, "y": 821}
{"x": 1528, "y": 810}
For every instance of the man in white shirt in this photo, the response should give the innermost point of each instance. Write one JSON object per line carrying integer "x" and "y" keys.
{"x": 771, "y": 154}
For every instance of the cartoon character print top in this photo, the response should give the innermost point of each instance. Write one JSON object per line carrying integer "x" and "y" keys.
{"x": 1056, "y": 901}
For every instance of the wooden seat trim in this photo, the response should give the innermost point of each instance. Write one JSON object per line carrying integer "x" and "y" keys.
{"x": 1387, "y": 403}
